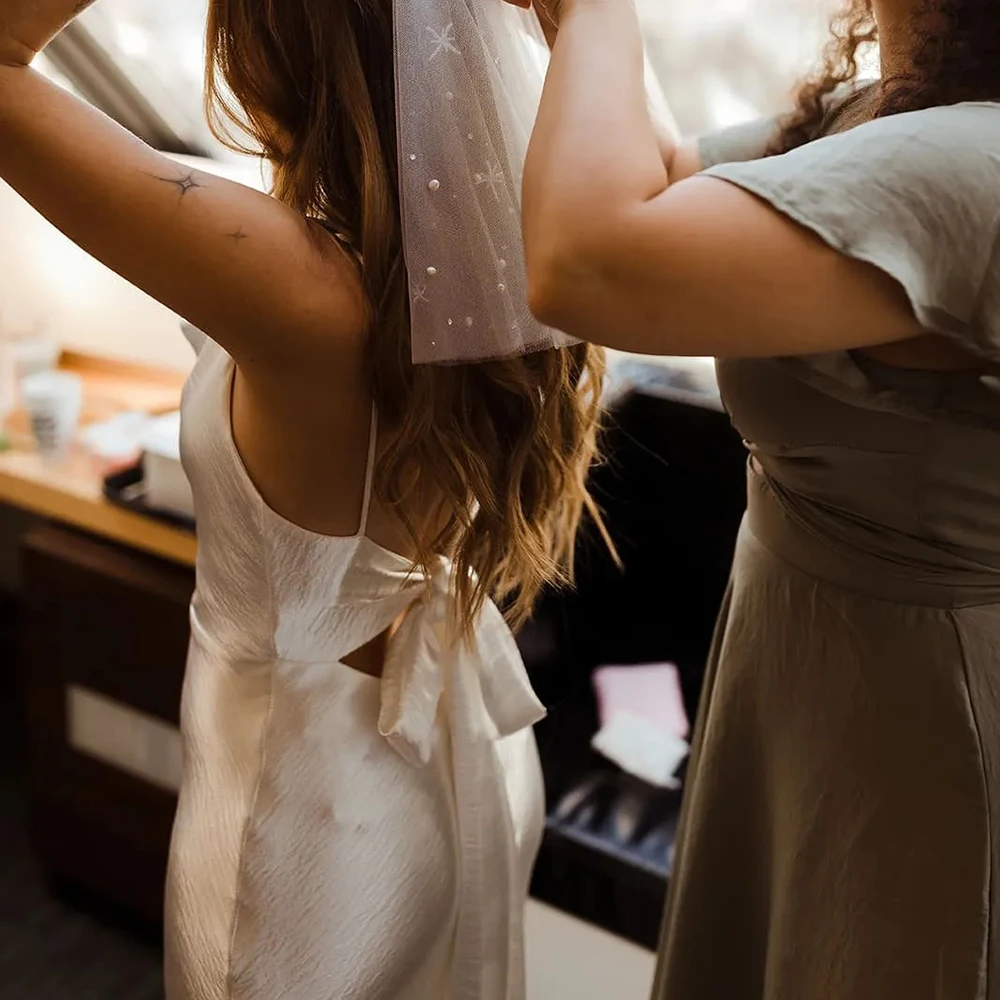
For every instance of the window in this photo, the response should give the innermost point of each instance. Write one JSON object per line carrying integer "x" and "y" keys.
{"x": 718, "y": 61}
{"x": 44, "y": 65}
{"x": 721, "y": 62}
{"x": 142, "y": 61}
{"x": 161, "y": 48}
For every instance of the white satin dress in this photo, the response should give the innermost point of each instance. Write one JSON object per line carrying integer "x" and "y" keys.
{"x": 339, "y": 837}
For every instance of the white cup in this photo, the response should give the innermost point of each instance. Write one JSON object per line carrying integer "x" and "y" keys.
{"x": 54, "y": 401}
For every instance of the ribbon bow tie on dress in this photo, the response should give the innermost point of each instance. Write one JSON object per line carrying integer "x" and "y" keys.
{"x": 483, "y": 689}
{"x": 481, "y": 679}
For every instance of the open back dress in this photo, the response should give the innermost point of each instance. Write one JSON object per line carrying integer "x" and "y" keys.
{"x": 339, "y": 835}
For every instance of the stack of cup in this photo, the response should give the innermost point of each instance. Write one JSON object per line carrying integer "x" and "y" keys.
{"x": 54, "y": 400}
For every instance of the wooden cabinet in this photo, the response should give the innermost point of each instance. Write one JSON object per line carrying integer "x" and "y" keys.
{"x": 105, "y": 634}
{"x": 108, "y": 627}
{"x": 673, "y": 493}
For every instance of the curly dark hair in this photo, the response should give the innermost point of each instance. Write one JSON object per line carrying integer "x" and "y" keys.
{"x": 956, "y": 57}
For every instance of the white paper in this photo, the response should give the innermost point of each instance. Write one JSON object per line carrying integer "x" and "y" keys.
{"x": 642, "y": 749}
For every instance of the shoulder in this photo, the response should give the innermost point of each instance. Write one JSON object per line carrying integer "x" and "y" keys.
{"x": 332, "y": 315}
{"x": 949, "y": 153}
{"x": 961, "y": 140}
{"x": 924, "y": 138}
{"x": 915, "y": 195}
{"x": 972, "y": 122}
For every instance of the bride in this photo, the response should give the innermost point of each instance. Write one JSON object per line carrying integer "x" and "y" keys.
{"x": 381, "y": 442}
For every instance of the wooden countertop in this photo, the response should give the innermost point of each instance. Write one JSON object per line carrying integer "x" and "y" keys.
{"x": 72, "y": 491}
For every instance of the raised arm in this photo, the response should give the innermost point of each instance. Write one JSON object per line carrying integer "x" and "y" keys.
{"x": 681, "y": 159}
{"x": 248, "y": 270}
{"x": 620, "y": 255}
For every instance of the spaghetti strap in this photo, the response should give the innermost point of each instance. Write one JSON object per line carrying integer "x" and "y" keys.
{"x": 195, "y": 337}
{"x": 369, "y": 471}
{"x": 294, "y": 604}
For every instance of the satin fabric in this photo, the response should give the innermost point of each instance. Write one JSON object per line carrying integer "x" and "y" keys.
{"x": 337, "y": 834}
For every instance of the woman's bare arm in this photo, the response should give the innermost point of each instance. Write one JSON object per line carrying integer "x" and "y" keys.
{"x": 247, "y": 269}
{"x": 680, "y": 158}
{"x": 631, "y": 252}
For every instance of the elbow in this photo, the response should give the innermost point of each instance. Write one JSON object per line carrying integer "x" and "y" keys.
{"x": 575, "y": 274}
{"x": 547, "y": 295}
{"x": 555, "y": 287}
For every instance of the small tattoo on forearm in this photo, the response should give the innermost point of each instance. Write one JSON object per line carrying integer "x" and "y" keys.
{"x": 238, "y": 237}
{"x": 185, "y": 183}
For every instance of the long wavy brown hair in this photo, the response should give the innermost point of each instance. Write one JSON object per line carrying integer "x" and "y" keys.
{"x": 505, "y": 446}
{"x": 954, "y": 55}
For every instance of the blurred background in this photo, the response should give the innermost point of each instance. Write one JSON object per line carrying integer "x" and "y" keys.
{"x": 97, "y": 547}
{"x": 719, "y": 63}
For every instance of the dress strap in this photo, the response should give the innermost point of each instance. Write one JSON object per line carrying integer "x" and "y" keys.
{"x": 369, "y": 471}
{"x": 195, "y": 337}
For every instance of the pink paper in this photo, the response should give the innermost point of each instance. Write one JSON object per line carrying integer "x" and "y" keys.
{"x": 652, "y": 692}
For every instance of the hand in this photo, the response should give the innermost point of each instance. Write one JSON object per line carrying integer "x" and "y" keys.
{"x": 27, "y": 26}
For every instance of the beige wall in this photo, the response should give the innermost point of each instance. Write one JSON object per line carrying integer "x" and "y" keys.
{"x": 49, "y": 285}
{"x": 46, "y": 283}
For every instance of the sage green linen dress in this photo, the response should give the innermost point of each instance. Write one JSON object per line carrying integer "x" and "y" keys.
{"x": 840, "y": 838}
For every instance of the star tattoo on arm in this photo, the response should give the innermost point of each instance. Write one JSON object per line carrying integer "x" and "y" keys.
{"x": 238, "y": 237}
{"x": 184, "y": 184}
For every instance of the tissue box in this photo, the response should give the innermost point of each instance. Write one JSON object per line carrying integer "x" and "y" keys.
{"x": 167, "y": 486}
